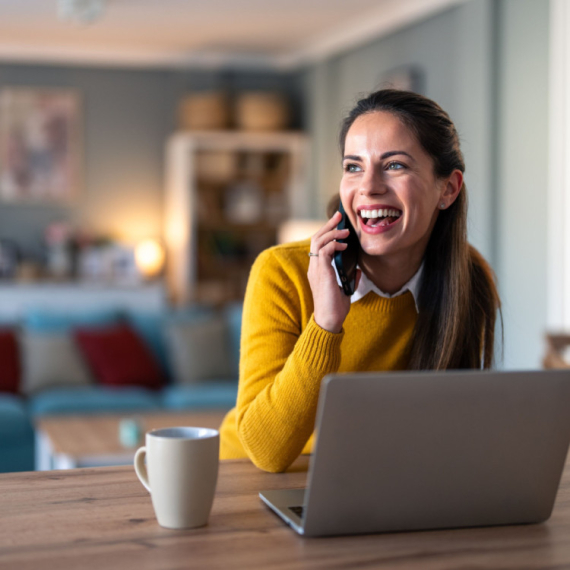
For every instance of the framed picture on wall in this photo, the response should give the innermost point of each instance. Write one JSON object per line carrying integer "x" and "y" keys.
{"x": 40, "y": 145}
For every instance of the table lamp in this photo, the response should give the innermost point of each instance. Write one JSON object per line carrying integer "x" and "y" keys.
{"x": 297, "y": 229}
{"x": 149, "y": 257}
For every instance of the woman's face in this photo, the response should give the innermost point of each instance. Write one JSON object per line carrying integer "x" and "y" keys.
{"x": 388, "y": 188}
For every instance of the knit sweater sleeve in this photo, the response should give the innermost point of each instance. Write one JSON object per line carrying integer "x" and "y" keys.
{"x": 281, "y": 366}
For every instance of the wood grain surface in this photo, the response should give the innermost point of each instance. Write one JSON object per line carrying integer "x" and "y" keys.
{"x": 103, "y": 519}
{"x": 79, "y": 436}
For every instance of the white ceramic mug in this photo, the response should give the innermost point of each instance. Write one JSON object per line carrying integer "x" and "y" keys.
{"x": 180, "y": 474}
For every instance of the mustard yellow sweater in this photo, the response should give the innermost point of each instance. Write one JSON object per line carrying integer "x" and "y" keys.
{"x": 285, "y": 355}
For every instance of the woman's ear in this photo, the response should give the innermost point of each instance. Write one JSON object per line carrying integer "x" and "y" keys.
{"x": 451, "y": 187}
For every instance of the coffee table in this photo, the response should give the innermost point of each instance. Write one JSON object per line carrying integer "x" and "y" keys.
{"x": 67, "y": 442}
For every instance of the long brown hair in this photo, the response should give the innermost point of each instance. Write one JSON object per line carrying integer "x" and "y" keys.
{"x": 458, "y": 299}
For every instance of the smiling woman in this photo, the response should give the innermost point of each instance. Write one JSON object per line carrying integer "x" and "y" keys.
{"x": 407, "y": 152}
{"x": 424, "y": 299}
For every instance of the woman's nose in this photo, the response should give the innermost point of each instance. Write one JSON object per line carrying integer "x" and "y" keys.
{"x": 372, "y": 183}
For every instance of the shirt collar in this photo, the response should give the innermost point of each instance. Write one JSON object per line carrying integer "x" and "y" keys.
{"x": 365, "y": 286}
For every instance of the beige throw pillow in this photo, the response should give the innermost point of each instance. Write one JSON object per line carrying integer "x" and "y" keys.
{"x": 51, "y": 360}
{"x": 199, "y": 350}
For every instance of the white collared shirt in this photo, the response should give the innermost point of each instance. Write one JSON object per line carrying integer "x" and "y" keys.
{"x": 365, "y": 286}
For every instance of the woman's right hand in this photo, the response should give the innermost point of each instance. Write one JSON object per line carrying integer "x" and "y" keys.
{"x": 331, "y": 305}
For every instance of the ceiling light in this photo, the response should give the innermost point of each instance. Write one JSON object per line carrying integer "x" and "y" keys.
{"x": 81, "y": 11}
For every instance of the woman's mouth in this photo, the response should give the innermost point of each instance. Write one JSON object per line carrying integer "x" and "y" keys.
{"x": 378, "y": 221}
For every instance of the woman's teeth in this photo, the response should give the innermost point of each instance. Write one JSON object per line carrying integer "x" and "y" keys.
{"x": 382, "y": 217}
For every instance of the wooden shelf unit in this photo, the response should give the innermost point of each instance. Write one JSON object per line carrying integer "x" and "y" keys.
{"x": 209, "y": 251}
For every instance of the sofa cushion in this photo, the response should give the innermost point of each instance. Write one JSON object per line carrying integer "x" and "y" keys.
{"x": 199, "y": 350}
{"x": 94, "y": 400}
{"x": 14, "y": 419}
{"x": 207, "y": 395}
{"x": 117, "y": 356}
{"x": 150, "y": 326}
{"x": 233, "y": 313}
{"x": 18, "y": 455}
{"x": 17, "y": 440}
{"x": 45, "y": 321}
{"x": 51, "y": 360}
{"x": 10, "y": 371}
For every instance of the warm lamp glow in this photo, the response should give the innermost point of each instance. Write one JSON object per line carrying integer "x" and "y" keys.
{"x": 296, "y": 230}
{"x": 149, "y": 255}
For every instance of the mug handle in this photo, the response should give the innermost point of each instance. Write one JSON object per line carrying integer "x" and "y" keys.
{"x": 140, "y": 467}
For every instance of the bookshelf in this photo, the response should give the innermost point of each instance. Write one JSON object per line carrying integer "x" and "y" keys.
{"x": 226, "y": 195}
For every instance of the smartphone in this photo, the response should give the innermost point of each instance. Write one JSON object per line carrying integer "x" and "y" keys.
{"x": 345, "y": 261}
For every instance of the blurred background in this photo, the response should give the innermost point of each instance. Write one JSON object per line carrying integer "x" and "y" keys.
{"x": 149, "y": 150}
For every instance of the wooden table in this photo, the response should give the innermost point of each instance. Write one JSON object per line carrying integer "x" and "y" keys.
{"x": 102, "y": 518}
{"x": 67, "y": 442}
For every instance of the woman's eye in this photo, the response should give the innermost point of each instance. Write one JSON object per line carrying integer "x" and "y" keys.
{"x": 352, "y": 168}
{"x": 395, "y": 166}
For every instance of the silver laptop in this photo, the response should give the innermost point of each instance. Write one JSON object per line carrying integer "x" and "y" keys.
{"x": 410, "y": 451}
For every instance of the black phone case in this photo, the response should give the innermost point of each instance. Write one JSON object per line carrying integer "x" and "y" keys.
{"x": 343, "y": 260}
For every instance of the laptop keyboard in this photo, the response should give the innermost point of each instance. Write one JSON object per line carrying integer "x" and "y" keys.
{"x": 299, "y": 511}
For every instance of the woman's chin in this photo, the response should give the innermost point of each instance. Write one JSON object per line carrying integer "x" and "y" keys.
{"x": 374, "y": 249}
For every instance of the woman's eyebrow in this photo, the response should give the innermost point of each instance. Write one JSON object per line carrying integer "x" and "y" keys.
{"x": 394, "y": 152}
{"x": 387, "y": 154}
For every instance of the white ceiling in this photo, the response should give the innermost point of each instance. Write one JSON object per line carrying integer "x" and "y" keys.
{"x": 179, "y": 33}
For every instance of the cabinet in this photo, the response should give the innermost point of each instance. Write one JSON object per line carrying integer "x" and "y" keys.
{"x": 227, "y": 193}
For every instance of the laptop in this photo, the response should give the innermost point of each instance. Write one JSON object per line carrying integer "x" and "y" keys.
{"x": 413, "y": 451}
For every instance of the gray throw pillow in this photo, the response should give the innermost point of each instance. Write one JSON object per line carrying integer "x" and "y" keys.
{"x": 50, "y": 360}
{"x": 199, "y": 350}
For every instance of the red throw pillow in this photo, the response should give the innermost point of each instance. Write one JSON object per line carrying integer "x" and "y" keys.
{"x": 9, "y": 362}
{"x": 118, "y": 357}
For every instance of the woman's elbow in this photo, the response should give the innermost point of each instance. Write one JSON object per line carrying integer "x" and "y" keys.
{"x": 263, "y": 454}
{"x": 270, "y": 464}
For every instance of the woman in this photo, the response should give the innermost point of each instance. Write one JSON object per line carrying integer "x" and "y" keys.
{"x": 425, "y": 298}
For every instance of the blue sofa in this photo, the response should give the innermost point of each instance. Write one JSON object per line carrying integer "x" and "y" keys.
{"x": 17, "y": 413}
